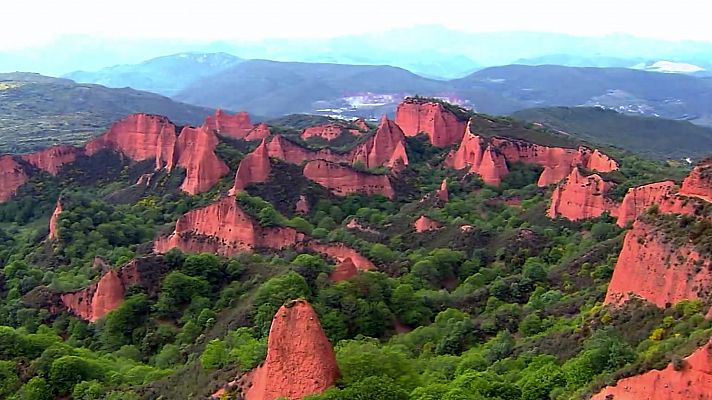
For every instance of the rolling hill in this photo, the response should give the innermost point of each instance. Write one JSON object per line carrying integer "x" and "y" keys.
{"x": 37, "y": 111}
{"x": 649, "y": 136}
{"x": 165, "y": 75}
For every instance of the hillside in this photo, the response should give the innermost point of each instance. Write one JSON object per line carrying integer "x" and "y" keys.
{"x": 672, "y": 96}
{"x": 442, "y": 254}
{"x": 653, "y": 137}
{"x": 273, "y": 88}
{"x": 165, "y": 75}
{"x": 38, "y": 111}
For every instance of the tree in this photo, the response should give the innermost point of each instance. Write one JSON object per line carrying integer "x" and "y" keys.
{"x": 35, "y": 389}
{"x": 168, "y": 356}
{"x": 67, "y": 371}
{"x": 88, "y": 390}
{"x": 9, "y": 381}
{"x": 215, "y": 355}
{"x": 119, "y": 324}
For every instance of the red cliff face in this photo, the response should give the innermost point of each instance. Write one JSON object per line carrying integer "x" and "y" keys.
{"x": 343, "y": 181}
{"x": 639, "y": 199}
{"x": 261, "y": 131}
{"x": 386, "y": 147}
{"x": 12, "y": 176}
{"x": 345, "y": 270}
{"x": 581, "y": 197}
{"x": 140, "y": 137}
{"x": 300, "y": 360}
{"x": 223, "y": 228}
{"x": 424, "y": 224}
{"x": 652, "y": 268}
{"x": 285, "y": 150}
{"x": 699, "y": 182}
{"x": 481, "y": 159}
{"x": 326, "y": 131}
{"x": 54, "y": 219}
{"x": 52, "y": 159}
{"x": 341, "y": 253}
{"x": 196, "y": 153}
{"x": 98, "y": 299}
{"x": 237, "y": 126}
{"x": 442, "y": 194}
{"x": 692, "y": 381}
{"x": 442, "y": 126}
{"x": 254, "y": 168}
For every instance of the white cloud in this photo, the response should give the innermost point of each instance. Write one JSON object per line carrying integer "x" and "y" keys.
{"x": 29, "y": 22}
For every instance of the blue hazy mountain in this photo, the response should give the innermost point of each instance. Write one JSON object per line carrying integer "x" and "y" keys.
{"x": 165, "y": 75}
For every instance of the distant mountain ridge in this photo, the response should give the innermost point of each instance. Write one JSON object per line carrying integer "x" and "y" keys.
{"x": 165, "y": 75}
{"x": 274, "y": 88}
{"x": 38, "y": 111}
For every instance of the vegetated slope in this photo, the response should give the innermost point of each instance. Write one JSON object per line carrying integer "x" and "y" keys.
{"x": 165, "y": 75}
{"x": 672, "y": 96}
{"x": 489, "y": 299}
{"x": 276, "y": 88}
{"x": 649, "y": 136}
{"x": 38, "y": 111}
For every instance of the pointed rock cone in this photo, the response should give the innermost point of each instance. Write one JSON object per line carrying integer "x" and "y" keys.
{"x": 443, "y": 194}
{"x": 300, "y": 360}
{"x": 54, "y": 219}
{"x": 254, "y": 168}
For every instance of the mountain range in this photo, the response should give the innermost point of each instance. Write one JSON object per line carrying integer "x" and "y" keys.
{"x": 432, "y": 51}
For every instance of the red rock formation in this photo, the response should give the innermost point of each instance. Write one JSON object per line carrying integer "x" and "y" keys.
{"x": 54, "y": 219}
{"x": 343, "y": 181}
{"x": 340, "y": 252}
{"x": 600, "y": 162}
{"x": 196, "y": 153}
{"x": 361, "y": 125}
{"x": 259, "y": 132}
{"x": 386, "y": 147}
{"x": 12, "y": 176}
{"x": 699, "y": 182}
{"x": 300, "y": 360}
{"x": 652, "y": 268}
{"x": 302, "y": 206}
{"x": 285, "y": 150}
{"x": 52, "y": 159}
{"x": 140, "y": 137}
{"x": 223, "y": 228}
{"x": 639, "y": 199}
{"x": 98, "y": 299}
{"x": 327, "y": 131}
{"x": 481, "y": 159}
{"x": 442, "y": 126}
{"x": 692, "y": 381}
{"x": 442, "y": 193}
{"x": 237, "y": 126}
{"x": 424, "y": 224}
{"x": 345, "y": 270}
{"x": 581, "y": 197}
{"x": 254, "y": 168}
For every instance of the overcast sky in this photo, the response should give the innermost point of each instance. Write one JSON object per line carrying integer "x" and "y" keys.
{"x": 32, "y": 22}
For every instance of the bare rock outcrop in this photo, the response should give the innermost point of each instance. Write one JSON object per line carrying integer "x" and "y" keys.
{"x": 237, "y": 126}
{"x": 343, "y": 181}
{"x": 581, "y": 197}
{"x": 300, "y": 360}
{"x": 12, "y": 176}
{"x": 254, "y": 168}
{"x": 53, "y": 158}
{"x": 691, "y": 380}
{"x": 441, "y": 125}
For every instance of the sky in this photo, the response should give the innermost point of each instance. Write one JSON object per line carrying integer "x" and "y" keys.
{"x": 28, "y": 23}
